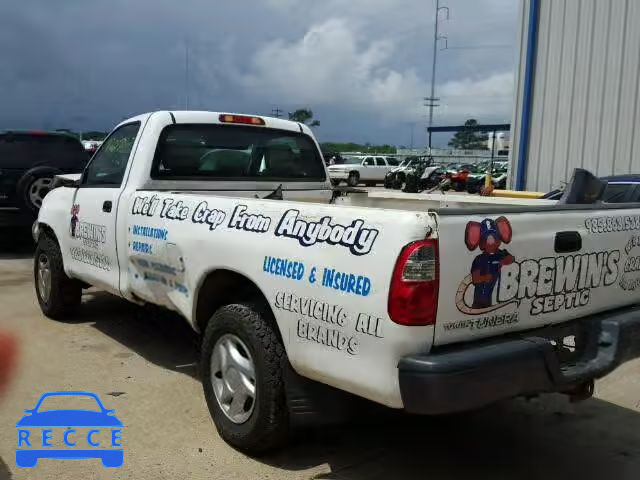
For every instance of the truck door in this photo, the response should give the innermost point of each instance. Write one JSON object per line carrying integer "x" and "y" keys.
{"x": 381, "y": 168}
{"x": 92, "y": 230}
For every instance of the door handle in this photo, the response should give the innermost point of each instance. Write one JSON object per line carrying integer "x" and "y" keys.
{"x": 568, "y": 242}
{"x": 106, "y": 206}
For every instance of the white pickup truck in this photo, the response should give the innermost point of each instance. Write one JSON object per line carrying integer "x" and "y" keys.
{"x": 425, "y": 303}
{"x": 369, "y": 170}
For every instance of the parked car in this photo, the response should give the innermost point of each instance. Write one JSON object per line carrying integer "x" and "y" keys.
{"x": 91, "y": 146}
{"x": 423, "y": 179}
{"x": 418, "y": 305}
{"x": 368, "y": 169}
{"x": 476, "y": 178}
{"x": 459, "y": 174}
{"x": 620, "y": 189}
{"x": 28, "y": 163}
{"x": 397, "y": 177}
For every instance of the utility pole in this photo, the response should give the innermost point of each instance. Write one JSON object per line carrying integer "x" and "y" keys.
{"x": 186, "y": 74}
{"x": 276, "y": 112}
{"x": 431, "y": 100}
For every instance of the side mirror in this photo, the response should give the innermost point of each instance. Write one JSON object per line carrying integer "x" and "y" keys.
{"x": 69, "y": 180}
{"x": 71, "y": 183}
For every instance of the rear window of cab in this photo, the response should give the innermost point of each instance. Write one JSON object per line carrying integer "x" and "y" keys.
{"x": 208, "y": 151}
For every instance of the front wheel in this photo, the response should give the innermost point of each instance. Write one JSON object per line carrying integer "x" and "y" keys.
{"x": 58, "y": 295}
{"x": 243, "y": 362}
{"x": 354, "y": 178}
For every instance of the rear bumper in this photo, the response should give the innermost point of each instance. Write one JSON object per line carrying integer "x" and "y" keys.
{"x": 469, "y": 376}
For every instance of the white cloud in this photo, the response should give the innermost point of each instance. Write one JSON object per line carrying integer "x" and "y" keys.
{"x": 333, "y": 64}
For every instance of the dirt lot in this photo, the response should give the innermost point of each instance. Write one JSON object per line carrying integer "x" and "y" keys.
{"x": 143, "y": 367}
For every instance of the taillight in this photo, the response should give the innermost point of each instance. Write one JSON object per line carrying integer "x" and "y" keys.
{"x": 242, "y": 119}
{"x": 413, "y": 296}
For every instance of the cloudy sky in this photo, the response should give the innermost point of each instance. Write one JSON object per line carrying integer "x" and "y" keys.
{"x": 363, "y": 66}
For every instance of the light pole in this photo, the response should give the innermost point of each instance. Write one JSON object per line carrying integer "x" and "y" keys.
{"x": 431, "y": 100}
{"x": 186, "y": 74}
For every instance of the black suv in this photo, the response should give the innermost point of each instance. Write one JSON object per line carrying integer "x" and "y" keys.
{"x": 28, "y": 163}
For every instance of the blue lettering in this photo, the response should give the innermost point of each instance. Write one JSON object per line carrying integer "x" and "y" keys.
{"x": 283, "y": 267}
{"x": 352, "y": 284}
{"x": 366, "y": 287}
{"x": 291, "y": 267}
{"x": 65, "y": 438}
{"x": 344, "y": 280}
{"x": 23, "y": 435}
{"x": 327, "y": 277}
{"x": 115, "y": 435}
{"x": 46, "y": 435}
{"x": 89, "y": 440}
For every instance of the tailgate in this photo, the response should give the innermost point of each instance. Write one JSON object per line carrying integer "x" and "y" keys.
{"x": 526, "y": 270}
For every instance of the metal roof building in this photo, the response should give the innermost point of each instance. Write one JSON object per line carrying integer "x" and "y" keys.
{"x": 577, "y": 98}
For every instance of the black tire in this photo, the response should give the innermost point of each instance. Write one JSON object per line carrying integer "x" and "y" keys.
{"x": 354, "y": 179}
{"x": 411, "y": 184}
{"x": 30, "y": 181}
{"x": 267, "y": 427}
{"x": 65, "y": 294}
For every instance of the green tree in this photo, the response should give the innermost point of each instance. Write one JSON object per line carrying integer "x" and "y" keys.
{"x": 467, "y": 139}
{"x": 304, "y": 115}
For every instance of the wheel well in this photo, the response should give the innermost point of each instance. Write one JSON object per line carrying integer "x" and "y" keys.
{"x": 354, "y": 172}
{"x": 46, "y": 229}
{"x": 224, "y": 287}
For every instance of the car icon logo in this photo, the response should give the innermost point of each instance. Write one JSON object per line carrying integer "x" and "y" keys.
{"x": 36, "y": 438}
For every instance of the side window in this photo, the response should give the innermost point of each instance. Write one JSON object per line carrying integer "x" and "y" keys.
{"x": 617, "y": 192}
{"x": 635, "y": 197}
{"x": 392, "y": 162}
{"x": 108, "y": 165}
{"x": 368, "y": 162}
{"x": 380, "y": 162}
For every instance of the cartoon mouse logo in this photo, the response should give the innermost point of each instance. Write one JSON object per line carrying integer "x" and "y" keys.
{"x": 487, "y": 235}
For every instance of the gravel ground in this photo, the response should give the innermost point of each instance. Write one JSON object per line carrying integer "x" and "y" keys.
{"x": 143, "y": 367}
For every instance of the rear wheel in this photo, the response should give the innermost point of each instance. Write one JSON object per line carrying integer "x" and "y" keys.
{"x": 58, "y": 295}
{"x": 34, "y": 186}
{"x": 243, "y": 361}
{"x": 354, "y": 178}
